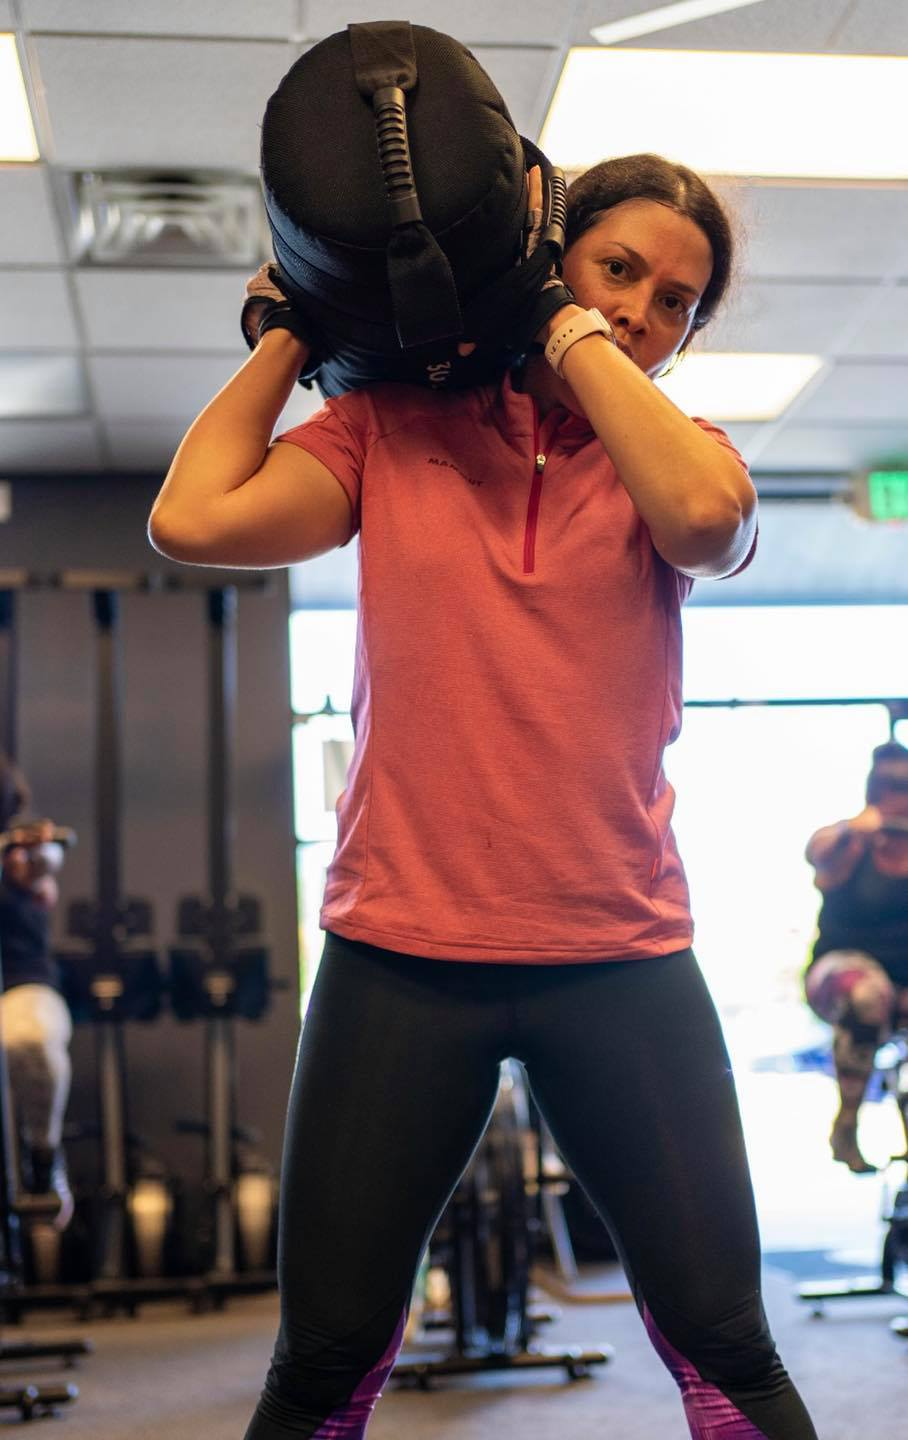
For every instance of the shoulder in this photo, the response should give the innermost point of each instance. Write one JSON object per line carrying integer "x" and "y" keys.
{"x": 378, "y": 411}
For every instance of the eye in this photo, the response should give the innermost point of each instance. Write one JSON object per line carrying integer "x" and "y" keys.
{"x": 676, "y": 307}
{"x": 617, "y": 269}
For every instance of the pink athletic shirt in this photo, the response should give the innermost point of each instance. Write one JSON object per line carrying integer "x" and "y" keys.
{"x": 518, "y": 676}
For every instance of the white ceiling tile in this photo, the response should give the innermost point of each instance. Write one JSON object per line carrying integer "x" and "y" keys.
{"x": 812, "y": 553}
{"x": 175, "y": 387}
{"x": 7, "y": 19}
{"x": 472, "y": 22}
{"x": 850, "y": 232}
{"x": 29, "y": 446}
{"x": 147, "y": 387}
{"x": 866, "y": 392}
{"x": 885, "y": 329}
{"x": 162, "y": 309}
{"x": 775, "y": 316}
{"x": 525, "y": 78}
{"x": 832, "y": 447}
{"x": 35, "y": 311}
{"x": 266, "y": 18}
{"x": 158, "y": 103}
{"x": 41, "y": 385}
{"x": 147, "y": 446}
{"x": 149, "y": 442}
{"x": 29, "y": 234}
{"x": 874, "y": 27}
{"x": 771, "y": 25}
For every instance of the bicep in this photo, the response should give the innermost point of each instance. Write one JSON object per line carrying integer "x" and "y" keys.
{"x": 291, "y": 509}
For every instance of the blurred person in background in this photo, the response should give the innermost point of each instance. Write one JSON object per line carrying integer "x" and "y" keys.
{"x": 857, "y": 979}
{"x": 35, "y": 1023}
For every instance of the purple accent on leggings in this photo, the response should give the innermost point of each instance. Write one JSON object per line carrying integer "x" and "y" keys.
{"x": 350, "y": 1421}
{"x": 710, "y": 1414}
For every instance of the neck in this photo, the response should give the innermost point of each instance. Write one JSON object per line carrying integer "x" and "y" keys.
{"x": 538, "y": 379}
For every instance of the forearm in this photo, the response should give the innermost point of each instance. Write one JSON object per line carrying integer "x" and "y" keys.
{"x": 696, "y": 500}
{"x": 229, "y": 440}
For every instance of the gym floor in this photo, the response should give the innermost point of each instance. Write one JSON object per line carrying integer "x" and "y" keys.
{"x": 168, "y": 1375}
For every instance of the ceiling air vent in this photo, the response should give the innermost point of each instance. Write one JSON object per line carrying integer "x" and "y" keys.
{"x": 151, "y": 218}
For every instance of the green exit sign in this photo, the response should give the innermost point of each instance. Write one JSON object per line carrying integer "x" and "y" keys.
{"x": 887, "y": 494}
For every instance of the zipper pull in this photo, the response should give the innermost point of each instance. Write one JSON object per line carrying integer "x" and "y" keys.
{"x": 540, "y": 463}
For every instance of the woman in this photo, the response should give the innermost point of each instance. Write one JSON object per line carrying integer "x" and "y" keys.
{"x": 857, "y": 979}
{"x": 506, "y": 881}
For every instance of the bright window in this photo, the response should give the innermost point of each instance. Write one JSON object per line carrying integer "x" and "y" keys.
{"x": 753, "y": 782}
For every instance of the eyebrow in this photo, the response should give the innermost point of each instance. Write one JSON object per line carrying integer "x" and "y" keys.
{"x": 691, "y": 290}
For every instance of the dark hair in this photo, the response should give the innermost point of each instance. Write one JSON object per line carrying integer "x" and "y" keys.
{"x": 651, "y": 177}
{"x": 15, "y": 795}
{"x": 881, "y": 779}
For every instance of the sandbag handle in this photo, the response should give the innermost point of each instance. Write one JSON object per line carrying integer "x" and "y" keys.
{"x": 394, "y": 154}
{"x": 384, "y": 65}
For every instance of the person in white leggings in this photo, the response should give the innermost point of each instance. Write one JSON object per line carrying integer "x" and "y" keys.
{"x": 35, "y": 1023}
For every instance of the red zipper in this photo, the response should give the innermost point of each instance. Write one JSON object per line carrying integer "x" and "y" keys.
{"x": 529, "y": 539}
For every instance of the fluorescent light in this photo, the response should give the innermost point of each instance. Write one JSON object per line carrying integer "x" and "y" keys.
{"x": 665, "y": 18}
{"x": 738, "y": 386}
{"x": 729, "y": 113}
{"x": 17, "y": 134}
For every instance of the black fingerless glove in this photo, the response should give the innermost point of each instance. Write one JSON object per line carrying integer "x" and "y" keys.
{"x": 552, "y": 297}
{"x": 263, "y": 311}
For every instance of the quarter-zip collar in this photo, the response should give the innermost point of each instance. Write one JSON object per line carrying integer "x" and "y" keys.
{"x": 515, "y": 415}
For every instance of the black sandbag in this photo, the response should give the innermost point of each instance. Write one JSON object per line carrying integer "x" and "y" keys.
{"x": 389, "y": 289}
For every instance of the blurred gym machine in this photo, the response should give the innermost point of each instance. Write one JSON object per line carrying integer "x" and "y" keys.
{"x": 129, "y": 1242}
{"x": 18, "y": 1209}
{"x": 892, "y": 1279}
{"x": 485, "y": 1243}
{"x": 219, "y": 974}
{"x": 111, "y": 979}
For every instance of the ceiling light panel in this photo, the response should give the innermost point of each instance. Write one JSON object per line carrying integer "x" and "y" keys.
{"x": 709, "y": 110}
{"x": 648, "y": 22}
{"x": 17, "y": 133}
{"x": 739, "y": 387}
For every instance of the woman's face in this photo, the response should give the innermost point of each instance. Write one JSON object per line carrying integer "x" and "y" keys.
{"x": 645, "y": 267}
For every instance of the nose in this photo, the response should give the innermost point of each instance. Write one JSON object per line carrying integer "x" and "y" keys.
{"x": 631, "y": 311}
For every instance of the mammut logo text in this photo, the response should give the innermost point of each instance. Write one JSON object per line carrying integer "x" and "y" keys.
{"x": 449, "y": 465}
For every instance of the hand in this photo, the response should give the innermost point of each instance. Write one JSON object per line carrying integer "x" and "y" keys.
{"x": 530, "y": 316}
{"x": 868, "y": 822}
{"x": 31, "y": 859}
{"x": 267, "y": 307}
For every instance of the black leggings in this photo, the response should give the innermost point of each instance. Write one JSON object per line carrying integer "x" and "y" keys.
{"x": 396, "y": 1078}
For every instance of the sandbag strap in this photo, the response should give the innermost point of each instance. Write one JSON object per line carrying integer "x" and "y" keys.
{"x": 420, "y": 279}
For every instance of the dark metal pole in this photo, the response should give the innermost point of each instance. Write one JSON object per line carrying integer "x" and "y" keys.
{"x": 107, "y": 776}
{"x": 222, "y": 724}
{"x": 220, "y": 979}
{"x": 10, "y": 1231}
{"x": 8, "y": 660}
